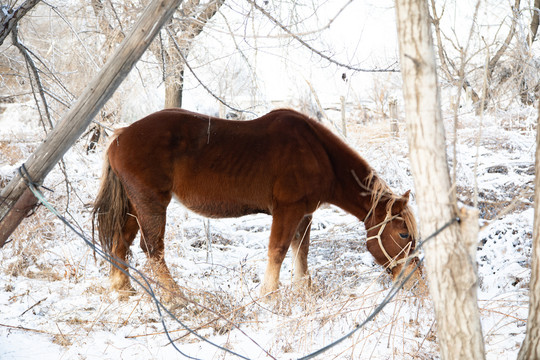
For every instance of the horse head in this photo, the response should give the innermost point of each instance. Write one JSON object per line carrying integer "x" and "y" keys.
{"x": 391, "y": 237}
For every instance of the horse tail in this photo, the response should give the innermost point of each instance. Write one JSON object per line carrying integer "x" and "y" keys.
{"x": 110, "y": 208}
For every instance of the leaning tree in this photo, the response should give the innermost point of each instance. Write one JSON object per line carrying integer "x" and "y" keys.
{"x": 16, "y": 199}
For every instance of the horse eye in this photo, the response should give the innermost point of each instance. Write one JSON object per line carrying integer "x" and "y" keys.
{"x": 403, "y": 235}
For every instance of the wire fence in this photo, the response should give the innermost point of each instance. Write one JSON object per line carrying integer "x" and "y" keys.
{"x": 162, "y": 310}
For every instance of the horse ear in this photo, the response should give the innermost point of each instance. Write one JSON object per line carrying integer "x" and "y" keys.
{"x": 406, "y": 195}
{"x": 401, "y": 203}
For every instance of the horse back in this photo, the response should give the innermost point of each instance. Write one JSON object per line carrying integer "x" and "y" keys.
{"x": 224, "y": 168}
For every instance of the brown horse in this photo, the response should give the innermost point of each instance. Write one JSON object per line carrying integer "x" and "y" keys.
{"x": 284, "y": 164}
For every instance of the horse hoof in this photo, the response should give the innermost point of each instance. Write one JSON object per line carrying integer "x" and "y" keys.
{"x": 268, "y": 295}
{"x": 124, "y": 295}
{"x": 303, "y": 283}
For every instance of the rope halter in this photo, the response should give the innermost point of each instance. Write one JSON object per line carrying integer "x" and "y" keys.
{"x": 392, "y": 262}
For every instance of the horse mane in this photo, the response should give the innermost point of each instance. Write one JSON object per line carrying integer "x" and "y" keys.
{"x": 372, "y": 183}
{"x": 379, "y": 191}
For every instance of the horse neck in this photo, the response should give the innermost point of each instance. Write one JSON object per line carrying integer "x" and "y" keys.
{"x": 354, "y": 180}
{"x": 353, "y": 175}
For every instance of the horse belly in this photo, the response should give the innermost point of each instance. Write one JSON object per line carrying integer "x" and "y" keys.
{"x": 219, "y": 197}
{"x": 223, "y": 209}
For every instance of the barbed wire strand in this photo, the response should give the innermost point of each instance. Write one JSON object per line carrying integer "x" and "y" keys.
{"x": 147, "y": 288}
{"x": 398, "y": 284}
{"x": 179, "y": 50}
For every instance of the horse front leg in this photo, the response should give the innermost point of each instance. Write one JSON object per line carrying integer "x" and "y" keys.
{"x": 300, "y": 247}
{"x": 284, "y": 225}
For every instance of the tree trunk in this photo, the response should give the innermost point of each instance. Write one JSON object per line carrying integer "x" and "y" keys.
{"x": 530, "y": 349}
{"x": 534, "y": 21}
{"x": 450, "y": 267}
{"x": 174, "y": 82}
{"x": 181, "y": 42}
{"x": 393, "y": 113}
{"x": 83, "y": 111}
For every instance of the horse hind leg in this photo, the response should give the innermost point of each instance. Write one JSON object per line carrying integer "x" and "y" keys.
{"x": 119, "y": 269}
{"x": 152, "y": 222}
{"x": 300, "y": 249}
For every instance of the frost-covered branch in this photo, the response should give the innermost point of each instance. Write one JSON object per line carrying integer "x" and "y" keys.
{"x": 10, "y": 17}
{"x": 311, "y": 48}
{"x": 495, "y": 59}
{"x": 33, "y": 73}
{"x": 177, "y": 46}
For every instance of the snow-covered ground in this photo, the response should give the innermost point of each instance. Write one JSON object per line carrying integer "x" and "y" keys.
{"x": 55, "y": 302}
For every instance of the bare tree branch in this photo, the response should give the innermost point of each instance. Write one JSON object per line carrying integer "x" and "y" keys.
{"x": 33, "y": 75}
{"x": 436, "y": 20}
{"x": 446, "y": 63}
{"x": 113, "y": 36}
{"x": 495, "y": 59}
{"x": 326, "y": 57}
{"x": 200, "y": 81}
{"x": 10, "y": 17}
{"x": 46, "y": 120}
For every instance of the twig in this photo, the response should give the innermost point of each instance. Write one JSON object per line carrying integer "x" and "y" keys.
{"x": 27, "y": 329}
{"x": 76, "y": 34}
{"x": 50, "y": 73}
{"x": 425, "y": 337}
{"x": 33, "y": 306}
{"x": 61, "y": 333}
{"x": 125, "y": 322}
{"x": 504, "y": 314}
{"x": 461, "y": 81}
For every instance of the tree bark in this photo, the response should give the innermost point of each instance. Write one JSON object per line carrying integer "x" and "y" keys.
{"x": 83, "y": 111}
{"x": 449, "y": 266}
{"x": 534, "y": 21}
{"x": 174, "y": 81}
{"x": 530, "y": 349}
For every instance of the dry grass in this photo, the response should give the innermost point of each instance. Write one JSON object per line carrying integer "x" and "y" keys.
{"x": 343, "y": 292}
{"x": 11, "y": 152}
{"x": 29, "y": 242}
